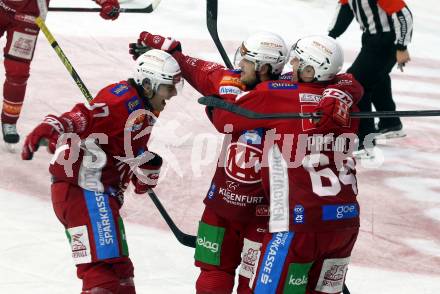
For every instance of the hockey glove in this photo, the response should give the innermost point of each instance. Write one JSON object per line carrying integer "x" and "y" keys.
{"x": 158, "y": 42}
{"x": 146, "y": 175}
{"x": 334, "y": 108}
{"x": 136, "y": 50}
{"x": 50, "y": 129}
{"x": 109, "y": 9}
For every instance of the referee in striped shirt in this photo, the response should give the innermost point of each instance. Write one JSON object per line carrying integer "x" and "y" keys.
{"x": 387, "y": 29}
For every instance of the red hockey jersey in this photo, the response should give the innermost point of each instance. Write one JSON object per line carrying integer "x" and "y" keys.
{"x": 308, "y": 175}
{"x": 236, "y": 192}
{"x": 108, "y": 138}
{"x": 26, "y": 7}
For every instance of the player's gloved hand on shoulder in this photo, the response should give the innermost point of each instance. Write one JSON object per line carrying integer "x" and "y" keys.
{"x": 50, "y": 129}
{"x": 169, "y": 45}
{"x": 146, "y": 175}
{"x": 334, "y": 108}
{"x": 109, "y": 9}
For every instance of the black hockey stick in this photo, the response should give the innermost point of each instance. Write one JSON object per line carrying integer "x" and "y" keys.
{"x": 150, "y": 8}
{"x": 185, "y": 239}
{"x": 211, "y": 22}
{"x": 213, "y": 101}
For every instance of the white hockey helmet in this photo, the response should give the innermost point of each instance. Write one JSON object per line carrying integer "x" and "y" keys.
{"x": 323, "y": 53}
{"x": 264, "y": 48}
{"x": 158, "y": 67}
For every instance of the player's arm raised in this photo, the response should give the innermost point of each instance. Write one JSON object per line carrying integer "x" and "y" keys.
{"x": 204, "y": 76}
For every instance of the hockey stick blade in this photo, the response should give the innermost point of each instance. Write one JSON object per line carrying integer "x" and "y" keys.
{"x": 211, "y": 22}
{"x": 212, "y": 101}
{"x": 149, "y": 9}
{"x": 185, "y": 239}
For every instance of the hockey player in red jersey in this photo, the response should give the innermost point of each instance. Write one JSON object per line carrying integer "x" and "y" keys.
{"x": 307, "y": 170}
{"x": 17, "y": 20}
{"x": 102, "y": 146}
{"x": 236, "y": 213}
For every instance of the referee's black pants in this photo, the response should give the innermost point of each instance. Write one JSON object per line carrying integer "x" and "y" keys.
{"x": 372, "y": 68}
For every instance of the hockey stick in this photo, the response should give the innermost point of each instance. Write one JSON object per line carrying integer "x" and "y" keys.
{"x": 211, "y": 22}
{"x": 213, "y": 101}
{"x": 82, "y": 87}
{"x": 187, "y": 240}
{"x": 150, "y": 8}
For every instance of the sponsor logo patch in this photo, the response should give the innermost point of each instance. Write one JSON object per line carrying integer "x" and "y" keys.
{"x": 103, "y": 225}
{"x": 308, "y": 97}
{"x": 339, "y": 212}
{"x": 272, "y": 263}
{"x": 249, "y": 258}
{"x": 22, "y": 45}
{"x": 231, "y": 81}
{"x": 331, "y": 279}
{"x": 297, "y": 277}
{"x": 211, "y": 192}
{"x": 262, "y": 210}
{"x": 208, "y": 244}
{"x": 282, "y": 86}
{"x": 238, "y": 199}
{"x": 133, "y": 104}
{"x": 298, "y": 214}
{"x": 79, "y": 243}
{"x": 119, "y": 90}
{"x": 25, "y": 18}
{"x": 229, "y": 90}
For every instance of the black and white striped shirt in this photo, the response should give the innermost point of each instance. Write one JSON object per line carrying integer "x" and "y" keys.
{"x": 375, "y": 16}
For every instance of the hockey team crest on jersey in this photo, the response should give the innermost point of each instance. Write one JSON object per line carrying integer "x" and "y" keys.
{"x": 119, "y": 90}
{"x": 253, "y": 137}
{"x": 243, "y": 163}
